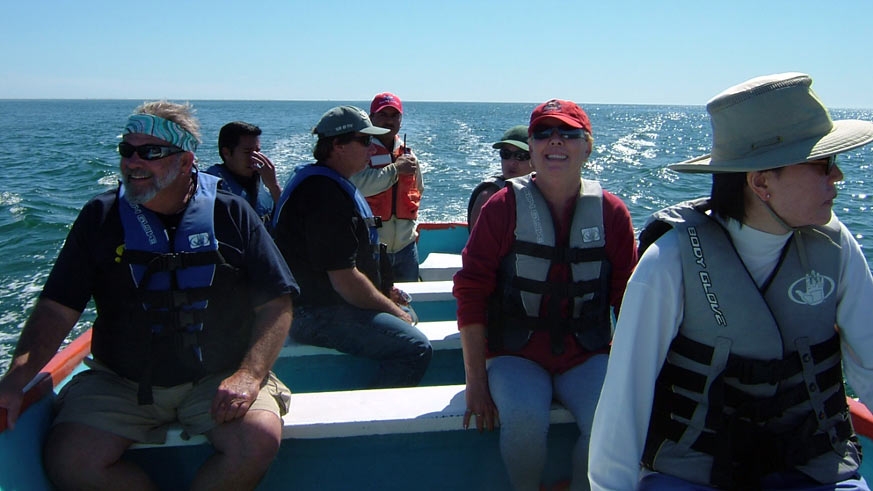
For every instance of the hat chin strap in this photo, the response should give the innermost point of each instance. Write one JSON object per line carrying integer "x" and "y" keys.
{"x": 795, "y": 234}
{"x": 772, "y": 212}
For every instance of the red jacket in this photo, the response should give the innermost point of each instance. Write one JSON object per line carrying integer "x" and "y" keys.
{"x": 492, "y": 238}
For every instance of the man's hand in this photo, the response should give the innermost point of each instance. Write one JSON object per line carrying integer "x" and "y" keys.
{"x": 235, "y": 396}
{"x": 400, "y": 297}
{"x": 406, "y": 164}
{"x": 11, "y": 399}
{"x": 265, "y": 168}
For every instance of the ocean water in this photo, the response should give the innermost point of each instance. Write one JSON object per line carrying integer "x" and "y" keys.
{"x": 56, "y": 154}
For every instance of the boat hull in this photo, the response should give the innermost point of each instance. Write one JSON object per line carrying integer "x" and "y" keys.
{"x": 385, "y": 458}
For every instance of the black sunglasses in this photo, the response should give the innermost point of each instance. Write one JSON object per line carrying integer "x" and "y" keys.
{"x": 148, "y": 151}
{"x": 565, "y": 133}
{"x": 831, "y": 163}
{"x": 365, "y": 140}
{"x": 507, "y": 154}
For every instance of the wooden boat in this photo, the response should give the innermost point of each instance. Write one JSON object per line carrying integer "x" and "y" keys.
{"x": 340, "y": 435}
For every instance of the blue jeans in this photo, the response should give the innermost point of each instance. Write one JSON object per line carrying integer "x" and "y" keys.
{"x": 404, "y": 263}
{"x": 402, "y": 350}
{"x": 523, "y": 391}
{"x": 779, "y": 481}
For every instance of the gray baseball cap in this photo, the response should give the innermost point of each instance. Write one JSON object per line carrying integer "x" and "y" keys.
{"x": 346, "y": 119}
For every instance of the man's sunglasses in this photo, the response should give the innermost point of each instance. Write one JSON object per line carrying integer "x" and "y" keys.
{"x": 520, "y": 155}
{"x": 147, "y": 151}
{"x": 365, "y": 140}
{"x": 565, "y": 133}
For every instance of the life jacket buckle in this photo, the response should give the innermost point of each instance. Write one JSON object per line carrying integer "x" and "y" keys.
{"x": 166, "y": 262}
{"x": 180, "y": 298}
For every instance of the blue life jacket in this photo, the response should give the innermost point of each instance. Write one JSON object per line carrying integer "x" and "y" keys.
{"x": 261, "y": 201}
{"x": 304, "y": 171}
{"x": 172, "y": 280}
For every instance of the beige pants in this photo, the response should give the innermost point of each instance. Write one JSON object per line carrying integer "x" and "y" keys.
{"x": 101, "y": 399}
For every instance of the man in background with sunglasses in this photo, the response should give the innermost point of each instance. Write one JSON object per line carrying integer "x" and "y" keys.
{"x": 514, "y": 162}
{"x": 329, "y": 236}
{"x": 392, "y": 184}
{"x": 543, "y": 272}
{"x": 193, "y": 305}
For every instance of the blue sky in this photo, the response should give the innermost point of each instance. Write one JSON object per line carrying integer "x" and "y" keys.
{"x": 622, "y": 51}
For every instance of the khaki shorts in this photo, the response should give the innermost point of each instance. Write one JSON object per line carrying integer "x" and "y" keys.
{"x": 101, "y": 399}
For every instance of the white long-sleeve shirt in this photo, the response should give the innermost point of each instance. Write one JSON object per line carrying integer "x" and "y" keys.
{"x": 651, "y": 313}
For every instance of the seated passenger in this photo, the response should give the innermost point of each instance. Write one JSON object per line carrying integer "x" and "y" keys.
{"x": 514, "y": 162}
{"x": 328, "y": 235}
{"x": 543, "y": 271}
{"x": 193, "y": 303}
{"x": 745, "y": 311}
{"x": 245, "y": 171}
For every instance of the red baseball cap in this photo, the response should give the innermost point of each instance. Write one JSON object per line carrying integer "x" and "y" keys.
{"x": 564, "y": 111}
{"x": 383, "y": 100}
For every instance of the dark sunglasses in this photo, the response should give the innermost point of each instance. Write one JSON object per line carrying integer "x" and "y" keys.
{"x": 831, "y": 162}
{"x": 365, "y": 140}
{"x": 147, "y": 151}
{"x": 565, "y": 133}
{"x": 507, "y": 154}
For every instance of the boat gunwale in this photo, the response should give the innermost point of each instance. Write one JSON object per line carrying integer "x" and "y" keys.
{"x": 55, "y": 371}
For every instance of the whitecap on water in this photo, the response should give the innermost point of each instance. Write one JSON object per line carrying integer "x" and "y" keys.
{"x": 9, "y": 199}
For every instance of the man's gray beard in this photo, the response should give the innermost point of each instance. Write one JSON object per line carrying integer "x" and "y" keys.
{"x": 159, "y": 185}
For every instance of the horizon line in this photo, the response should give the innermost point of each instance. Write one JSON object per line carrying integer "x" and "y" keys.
{"x": 583, "y": 104}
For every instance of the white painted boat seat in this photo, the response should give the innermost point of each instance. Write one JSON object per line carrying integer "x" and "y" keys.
{"x": 428, "y": 291}
{"x": 353, "y": 413}
{"x": 443, "y": 335}
{"x": 439, "y": 266}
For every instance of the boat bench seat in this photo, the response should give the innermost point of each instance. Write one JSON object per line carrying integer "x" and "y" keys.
{"x": 428, "y": 291}
{"x": 443, "y": 335}
{"x": 355, "y": 413}
{"x": 439, "y": 266}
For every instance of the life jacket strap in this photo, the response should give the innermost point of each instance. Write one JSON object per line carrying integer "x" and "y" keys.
{"x": 562, "y": 290}
{"x": 564, "y": 255}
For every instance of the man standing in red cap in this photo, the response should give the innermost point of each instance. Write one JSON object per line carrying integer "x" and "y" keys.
{"x": 393, "y": 185}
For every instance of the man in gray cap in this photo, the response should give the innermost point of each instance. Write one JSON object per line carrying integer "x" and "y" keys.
{"x": 328, "y": 235}
{"x": 514, "y": 162}
{"x": 725, "y": 370}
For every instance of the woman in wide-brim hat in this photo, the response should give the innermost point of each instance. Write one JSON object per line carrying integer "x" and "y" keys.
{"x": 725, "y": 366}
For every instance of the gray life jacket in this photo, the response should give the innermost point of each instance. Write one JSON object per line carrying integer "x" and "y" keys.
{"x": 752, "y": 384}
{"x": 522, "y": 283}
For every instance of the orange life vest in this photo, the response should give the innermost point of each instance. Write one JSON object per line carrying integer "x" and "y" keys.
{"x": 403, "y": 198}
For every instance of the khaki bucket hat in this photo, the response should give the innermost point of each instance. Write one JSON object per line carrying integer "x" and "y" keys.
{"x": 773, "y": 121}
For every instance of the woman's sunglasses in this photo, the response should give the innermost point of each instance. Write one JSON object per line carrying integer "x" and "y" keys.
{"x": 565, "y": 133}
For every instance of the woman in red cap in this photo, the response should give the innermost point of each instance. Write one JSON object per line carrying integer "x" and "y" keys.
{"x": 550, "y": 254}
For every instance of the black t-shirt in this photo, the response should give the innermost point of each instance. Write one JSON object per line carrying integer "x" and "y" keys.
{"x": 320, "y": 230}
{"x": 88, "y": 266}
